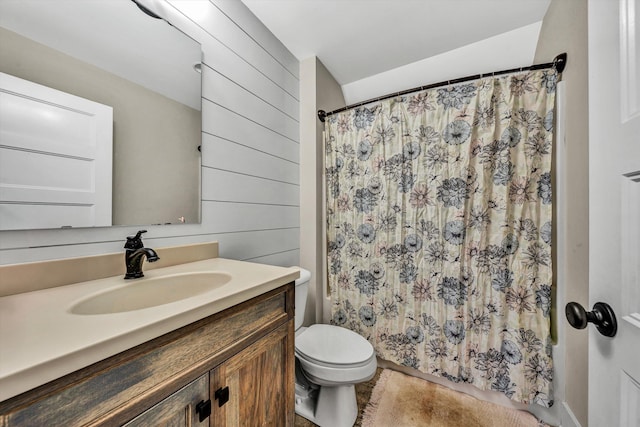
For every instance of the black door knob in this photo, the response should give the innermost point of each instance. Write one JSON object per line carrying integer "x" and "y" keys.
{"x": 602, "y": 316}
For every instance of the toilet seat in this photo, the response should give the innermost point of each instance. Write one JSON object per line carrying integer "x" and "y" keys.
{"x": 333, "y": 346}
{"x": 332, "y": 355}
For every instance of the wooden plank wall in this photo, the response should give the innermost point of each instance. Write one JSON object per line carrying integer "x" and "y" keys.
{"x": 250, "y": 150}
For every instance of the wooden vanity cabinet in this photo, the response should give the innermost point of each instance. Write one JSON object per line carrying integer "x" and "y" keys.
{"x": 239, "y": 362}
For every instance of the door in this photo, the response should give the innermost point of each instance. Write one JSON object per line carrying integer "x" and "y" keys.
{"x": 255, "y": 387}
{"x": 614, "y": 209}
{"x": 55, "y": 158}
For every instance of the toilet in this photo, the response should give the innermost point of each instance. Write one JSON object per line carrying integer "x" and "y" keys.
{"x": 330, "y": 360}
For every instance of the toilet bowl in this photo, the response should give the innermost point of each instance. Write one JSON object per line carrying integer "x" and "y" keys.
{"x": 330, "y": 360}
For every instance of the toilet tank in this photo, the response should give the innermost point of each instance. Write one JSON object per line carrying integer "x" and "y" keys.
{"x": 302, "y": 288}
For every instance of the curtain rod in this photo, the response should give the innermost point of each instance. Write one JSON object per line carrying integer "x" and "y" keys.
{"x": 559, "y": 63}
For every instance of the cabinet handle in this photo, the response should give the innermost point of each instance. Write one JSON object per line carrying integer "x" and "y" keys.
{"x": 222, "y": 396}
{"x": 203, "y": 409}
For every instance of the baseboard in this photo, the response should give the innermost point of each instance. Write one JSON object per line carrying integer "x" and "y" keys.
{"x": 567, "y": 416}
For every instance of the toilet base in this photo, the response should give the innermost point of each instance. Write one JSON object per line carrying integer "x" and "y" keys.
{"x": 333, "y": 406}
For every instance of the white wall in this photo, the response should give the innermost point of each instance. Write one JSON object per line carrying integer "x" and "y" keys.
{"x": 318, "y": 91}
{"x": 564, "y": 29}
{"x": 505, "y": 51}
{"x": 250, "y": 150}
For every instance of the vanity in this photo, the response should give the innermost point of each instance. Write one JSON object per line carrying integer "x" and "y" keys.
{"x": 98, "y": 352}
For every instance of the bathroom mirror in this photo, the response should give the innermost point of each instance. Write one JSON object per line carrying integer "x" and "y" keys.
{"x": 147, "y": 71}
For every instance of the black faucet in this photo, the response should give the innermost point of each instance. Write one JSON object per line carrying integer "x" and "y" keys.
{"x": 134, "y": 255}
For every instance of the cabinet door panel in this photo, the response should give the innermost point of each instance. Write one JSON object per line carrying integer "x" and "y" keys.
{"x": 177, "y": 410}
{"x": 260, "y": 381}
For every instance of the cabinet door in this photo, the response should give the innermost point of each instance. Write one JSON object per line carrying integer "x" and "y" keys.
{"x": 258, "y": 383}
{"x": 179, "y": 409}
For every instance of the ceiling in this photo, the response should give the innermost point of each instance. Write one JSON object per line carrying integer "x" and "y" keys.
{"x": 355, "y": 39}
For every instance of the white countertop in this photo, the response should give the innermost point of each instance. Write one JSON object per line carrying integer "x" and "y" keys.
{"x": 41, "y": 340}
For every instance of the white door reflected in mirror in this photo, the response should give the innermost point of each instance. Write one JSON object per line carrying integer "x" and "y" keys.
{"x": 55, "y": 158}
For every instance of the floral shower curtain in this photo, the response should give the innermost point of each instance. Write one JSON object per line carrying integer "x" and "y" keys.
{"x": 439, "y": 230}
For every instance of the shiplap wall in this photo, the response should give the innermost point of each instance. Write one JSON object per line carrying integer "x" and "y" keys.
{"x": 250, "y": 150}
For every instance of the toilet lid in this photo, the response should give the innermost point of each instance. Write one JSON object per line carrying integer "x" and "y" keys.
{"x": 333, "y": 345}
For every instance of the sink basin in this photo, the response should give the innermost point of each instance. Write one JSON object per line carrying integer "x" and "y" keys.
{"x": 153, "y": 292}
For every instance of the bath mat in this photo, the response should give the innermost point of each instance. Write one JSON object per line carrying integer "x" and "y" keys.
{"x": 400, "y": 400}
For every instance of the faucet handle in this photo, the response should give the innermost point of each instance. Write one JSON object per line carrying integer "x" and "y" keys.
{"x": 135, "y": 242}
